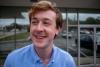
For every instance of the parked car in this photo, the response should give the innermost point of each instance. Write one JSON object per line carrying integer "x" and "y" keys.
{"x": 98, "y": 41}
{"x": 98, "y": 38}
{"x": 64, "y": 34}
{"x": 87, "y": 41}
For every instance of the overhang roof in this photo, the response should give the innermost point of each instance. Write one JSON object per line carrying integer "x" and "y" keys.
{"x": 95, "y": 4}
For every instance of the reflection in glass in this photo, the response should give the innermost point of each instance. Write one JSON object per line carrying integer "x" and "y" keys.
{"x": 98, "y": 45}
{"x": 6, "y": 29}
{"x": 86, "y": 45}
{"x": 13, "y": 34}
{"x": 89, "y": 18}
{"x": 93, "y": 21}
{"x": 60, "y": 40}
{"x": 72, "y": 47}
{"x": 72, "y": 18}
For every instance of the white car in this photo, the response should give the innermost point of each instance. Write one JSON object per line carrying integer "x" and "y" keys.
{"x": 64, "y": 34}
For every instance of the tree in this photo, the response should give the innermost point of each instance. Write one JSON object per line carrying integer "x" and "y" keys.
{"x": 14, "y": 26}
{"x": 98, "y": 20}
{"x": 90, "y": 20}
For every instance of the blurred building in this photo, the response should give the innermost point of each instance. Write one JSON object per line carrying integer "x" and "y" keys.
{"x": 77, "y": 14}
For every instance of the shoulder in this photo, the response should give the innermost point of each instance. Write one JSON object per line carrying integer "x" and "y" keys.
{"x": 62, "y": 52}
{"x": 18, "y": 52}
{"x": 21, "y": 50}
{"x": 16, "y": 56}
{"x": 64, "y": 55}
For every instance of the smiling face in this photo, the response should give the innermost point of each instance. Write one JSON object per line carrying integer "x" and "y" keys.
{"x": 43, "y": 28}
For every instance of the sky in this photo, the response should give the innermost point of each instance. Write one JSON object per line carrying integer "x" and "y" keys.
{"x": 82, "y": 16}
{"x": 25, "y": 20}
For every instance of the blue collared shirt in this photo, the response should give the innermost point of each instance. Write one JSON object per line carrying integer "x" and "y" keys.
{"x": 27, "y": 57}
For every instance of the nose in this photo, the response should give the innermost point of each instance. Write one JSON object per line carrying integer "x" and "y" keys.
{"x": 40, "y": 27}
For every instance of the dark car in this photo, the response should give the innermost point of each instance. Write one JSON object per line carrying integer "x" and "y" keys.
{"x": 98, "y": 41}
{"x": 86, "y": 41}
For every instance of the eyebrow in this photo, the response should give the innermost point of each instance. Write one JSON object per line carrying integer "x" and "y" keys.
{"x": 43, "y": 18}
{"x": 33, "y": 18}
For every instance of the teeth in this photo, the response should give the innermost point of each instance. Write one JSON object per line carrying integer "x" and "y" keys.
{"x": 40, "y": 37}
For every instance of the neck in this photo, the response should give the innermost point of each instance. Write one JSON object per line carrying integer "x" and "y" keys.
{"x": 44, "y": 53}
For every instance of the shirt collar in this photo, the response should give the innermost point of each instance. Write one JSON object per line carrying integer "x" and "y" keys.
{"x": 36, "y": 57}
{"x": 54, "y": 54}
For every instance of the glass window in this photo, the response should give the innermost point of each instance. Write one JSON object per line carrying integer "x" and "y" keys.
{"x": 89, "y": 38}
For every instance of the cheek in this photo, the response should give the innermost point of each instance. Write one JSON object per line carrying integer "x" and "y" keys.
{"x": 52, "y": 31}
{"x": 31, "y": 29}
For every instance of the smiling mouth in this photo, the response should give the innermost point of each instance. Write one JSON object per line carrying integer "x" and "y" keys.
{"x": 39, "y": 37}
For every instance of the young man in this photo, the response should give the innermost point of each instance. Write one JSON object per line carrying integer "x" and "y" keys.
{"x": 45, "y": 24}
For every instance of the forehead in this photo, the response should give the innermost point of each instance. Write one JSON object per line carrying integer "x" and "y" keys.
{"x": 49, "y": 14}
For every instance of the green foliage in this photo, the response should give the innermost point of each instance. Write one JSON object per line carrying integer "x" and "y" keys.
{"x": 91, "y": 20}
{"x": 17, "y": 36}
{"x": 15, "y": 26}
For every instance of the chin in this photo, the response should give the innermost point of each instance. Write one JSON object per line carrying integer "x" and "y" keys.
{"x": 39, "y": 45}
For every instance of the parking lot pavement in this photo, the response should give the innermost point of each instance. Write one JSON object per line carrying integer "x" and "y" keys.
{"x": 86, "y": 55}
{"x": 72, "y": 48}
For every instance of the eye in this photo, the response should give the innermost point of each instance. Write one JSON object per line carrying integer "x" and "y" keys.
{"x": 46, "y": 23}
{"x": 34, "y": 22}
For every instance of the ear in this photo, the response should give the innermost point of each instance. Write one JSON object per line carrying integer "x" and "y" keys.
{"x": 58, "y": 30}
